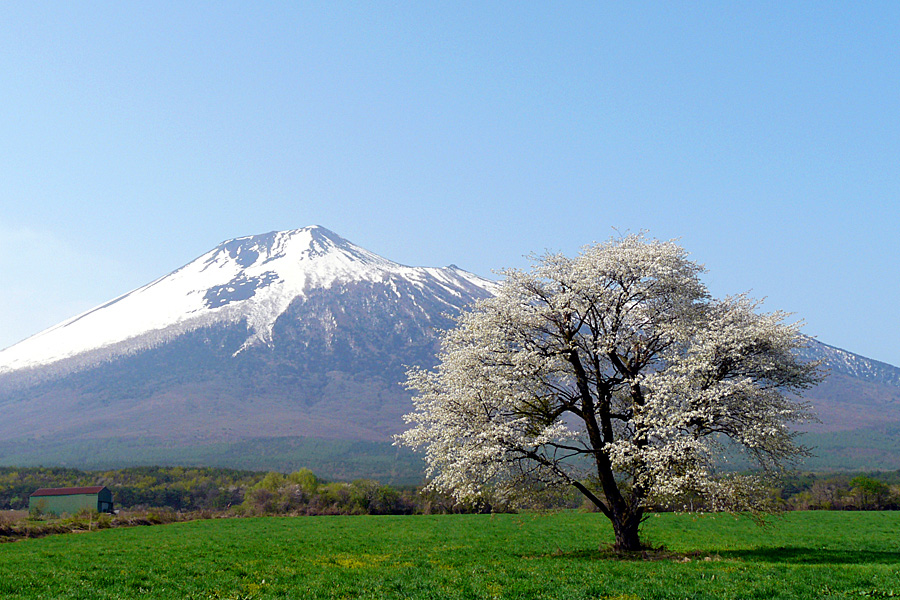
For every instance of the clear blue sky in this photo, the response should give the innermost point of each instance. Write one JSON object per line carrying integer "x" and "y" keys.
{"x": 764, "y": 135}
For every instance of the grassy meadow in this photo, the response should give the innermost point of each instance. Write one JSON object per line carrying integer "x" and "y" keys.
{"x": 800, "y": 555}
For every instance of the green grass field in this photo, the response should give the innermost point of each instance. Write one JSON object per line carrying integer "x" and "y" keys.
{"x": 801, "y": 555}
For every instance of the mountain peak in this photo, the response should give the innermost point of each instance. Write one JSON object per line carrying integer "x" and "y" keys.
{"x": 246, "y": 250}
{"x": 251, "y": 279}
{"x": 323, "y": 234}
{"x": 296, "y": 245}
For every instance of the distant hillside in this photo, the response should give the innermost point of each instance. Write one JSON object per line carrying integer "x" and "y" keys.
{"x": 857, "y": 393}
{"x": 853, "y": 365}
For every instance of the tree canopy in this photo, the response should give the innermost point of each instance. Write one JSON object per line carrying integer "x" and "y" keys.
{"x": 617, "y": 373}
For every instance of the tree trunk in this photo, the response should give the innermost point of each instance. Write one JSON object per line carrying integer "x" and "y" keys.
{"x": 626, "y": 528}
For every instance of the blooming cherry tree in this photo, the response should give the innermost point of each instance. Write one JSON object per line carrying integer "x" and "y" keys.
{"x": 616, "y": 373}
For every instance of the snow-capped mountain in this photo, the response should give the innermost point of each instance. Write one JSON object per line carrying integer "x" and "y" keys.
{"x": 251, "y": 280}
{"x": 274, "y": 338}
{"x": 294, "y": 333}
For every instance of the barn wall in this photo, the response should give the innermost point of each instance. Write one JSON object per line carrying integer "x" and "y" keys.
{"x": 63, "y": 505}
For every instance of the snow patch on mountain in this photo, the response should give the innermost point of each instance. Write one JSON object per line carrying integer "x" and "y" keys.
{"x": 252, "y": 278}
{"x": 841, "y": 361}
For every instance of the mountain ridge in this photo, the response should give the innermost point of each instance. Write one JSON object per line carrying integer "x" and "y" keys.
{"x": 855, "y": 365}
{"x": 251, "y": 278}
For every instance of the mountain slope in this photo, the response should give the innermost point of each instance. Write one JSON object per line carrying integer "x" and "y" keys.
{"x": 857, "y": 392}
{"x": 252, "y": 280}
{"x": 841, "y": 362}
{"x": 288, "y": 333}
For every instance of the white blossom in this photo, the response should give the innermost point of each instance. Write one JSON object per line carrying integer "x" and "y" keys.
{"x": 614, "y": 372}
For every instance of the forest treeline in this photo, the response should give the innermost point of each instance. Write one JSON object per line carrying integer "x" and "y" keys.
{"x": 847, "y": 491}
{"x": 220, "y": 489}
{"x": 302, "y": 492}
